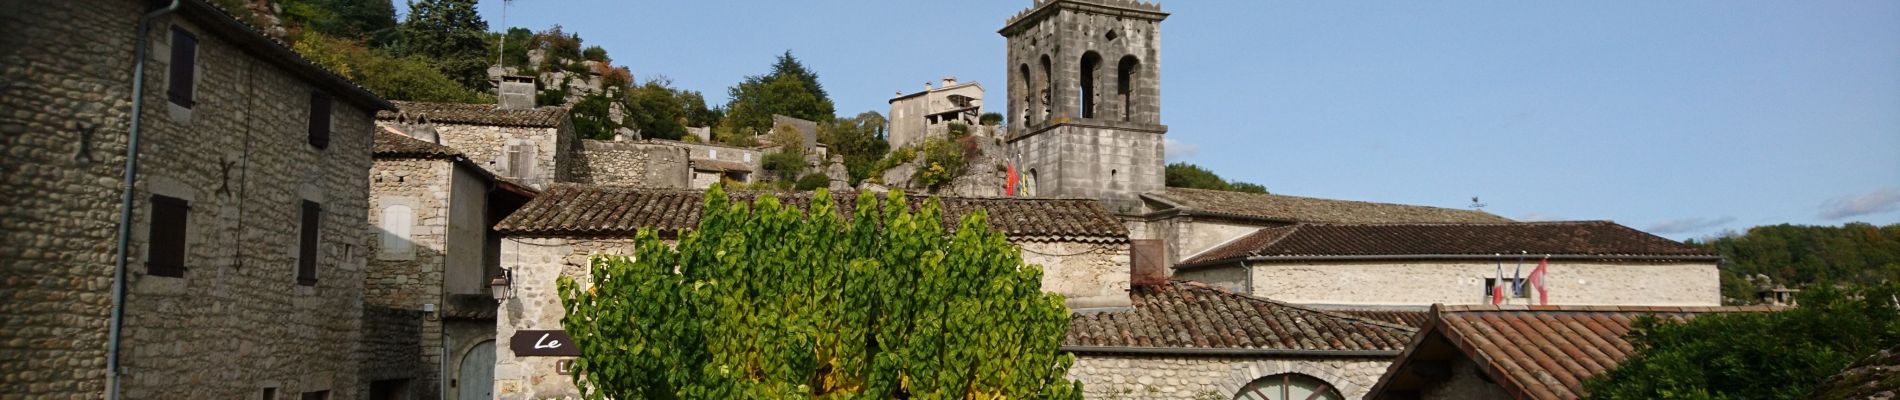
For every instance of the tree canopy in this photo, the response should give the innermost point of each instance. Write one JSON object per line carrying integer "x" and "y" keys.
{"x": 1801, "y": 255}
{"x": 1184, "y": 175}
{"x": 452, "y": 35}
{"x": 860, "y": 140}
{"x": 761, "y": 301}
{"x": 1743, "y": 356}
{"x": 790, "y": 90}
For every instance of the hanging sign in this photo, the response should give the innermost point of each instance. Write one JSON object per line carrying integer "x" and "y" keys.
{"x": 527, "y": 343}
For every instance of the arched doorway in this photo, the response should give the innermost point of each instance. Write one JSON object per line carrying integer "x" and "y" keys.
{"x": 476, "y": 380}
{"x": 1288, "y": 387}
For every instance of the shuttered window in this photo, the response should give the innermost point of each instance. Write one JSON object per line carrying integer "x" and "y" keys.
{"x": 319, "y": 120}
{"x": 167, "y": 254}
{"x": 184, "y": 63}
{"x": 307, "y": 244}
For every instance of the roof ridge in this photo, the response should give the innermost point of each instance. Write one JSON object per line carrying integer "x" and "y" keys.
{"x": 1224, "y": 291}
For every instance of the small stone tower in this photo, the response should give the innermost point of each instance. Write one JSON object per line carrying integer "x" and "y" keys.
{"x": 1085, "y": 99}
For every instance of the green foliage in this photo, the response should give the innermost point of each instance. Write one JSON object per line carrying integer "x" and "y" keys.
{"x": 1801, "y": 255}
{"x": 1184, "y": 175}
{"x": 990, "y": 119}
{"x": 892, "y": 160}
{"x": 790, "y": 90}
{"x": 663, "y": 112}
{"x": 762, "y": 302}
{"x": 452, "y": 36}
{"x": 590, "y": 117}
{"x": 369, "y": 21}
{"x": 943, "y": 162}
{"x": 595, "y": 53}
{"x": 859, "y": 140}
{"x": 514, "y": 51}
{"x": 783, "y": 165}
{"x": 812, "y": 181}
{"x": 1780, "y": 355}
{"x": 958, "y": 130}
{"x": 393, "y": 78}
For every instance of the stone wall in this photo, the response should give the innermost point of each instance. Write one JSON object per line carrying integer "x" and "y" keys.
{"x": 536, "y": 305}
{"x": 1462, "y": 282}
{"x": 1087, "y": 274}
{"x": 237, "y": 321}
{"x": 487, "y": 146}
{"x": 1190, "y": 236}
{"x": 627, "y": 163}
{"x": 1111, "y": 163}
{"x": 1200, "y": 378}
{"x": 407, "y": 271}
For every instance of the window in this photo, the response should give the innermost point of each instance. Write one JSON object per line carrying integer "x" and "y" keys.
{"x": 319, "y": 120}
{"x": 1523, "y": 287}
{"x": 1091, "y": 62}
{"x": 307, "y": 246}
{"x": 167, "y": 255}
{"x": 1125, "y": 86}
{"x": 397, "y": 223}
{"x": 317, "y": 395}
{"x": 184, "y": 63}
{"x": 712, "y": 153}
{"x": 1288, "y": 387}
{"x": 270, "y": 393}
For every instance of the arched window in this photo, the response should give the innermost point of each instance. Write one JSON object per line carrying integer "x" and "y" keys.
{"x": 1125, "y": 86}
{"x": 1045, "y": 90}
{"x": 1288, "y": 387}
{"x": 1025, "y": 88}
{"x": 1091, "y": 63}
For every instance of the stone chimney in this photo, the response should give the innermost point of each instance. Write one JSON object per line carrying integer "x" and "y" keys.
{"x": 1149, "y": 262}
{"x": 949, "y": 81}
{"x": 517, "y": 92}
{"x": 926, "y": 86}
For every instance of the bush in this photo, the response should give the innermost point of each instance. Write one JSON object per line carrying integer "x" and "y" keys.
{"x": 958, "y": 130}
{"x": 784, "y": 165}
{"x": 812, "y": 181}
{"x": 764, "y": 301}
{"x": 943, "y": 163}
{"x": 595, "y": 53}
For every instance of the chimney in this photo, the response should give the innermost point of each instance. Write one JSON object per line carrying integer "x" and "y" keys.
{"x": 517, "y": 92}
{"x": 1149, "y": 262}
{"x": 949, "y": 81}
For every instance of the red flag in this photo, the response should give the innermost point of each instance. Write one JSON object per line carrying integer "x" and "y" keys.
{"x": 1537, "y": 280}
{"x": 1497, "y": 293}
{"x": 1009, "y": 189}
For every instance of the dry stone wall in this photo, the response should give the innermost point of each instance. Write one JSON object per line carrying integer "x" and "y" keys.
{"x": 1201, "y": 378}
{"x": 549, "y": 149}
{"x": 625, "y": 163}
{"x": 237, "y": 321}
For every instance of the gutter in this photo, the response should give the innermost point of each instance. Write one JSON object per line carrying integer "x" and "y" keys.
{"x": 117, "y": 325}
{"x": 1408, "y": 257}
{"x": 1226, "y": 352}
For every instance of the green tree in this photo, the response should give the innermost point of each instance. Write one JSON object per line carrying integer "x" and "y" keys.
{"x": 762, "y": 302}
{"x": 590, "y": 116}
{"x": 1184, "y": 175}
{"x": 1801, "y": 255}
{"x": 790, "y": 90}
{"x": 370, "y": 21}
{"x": 393, "y": 78}
{"x": 453, "y": 36}
{"x": 990, "y": 119}
{"x": 514, "y": 51}
{"x": 859, "y": 140}
{"x": 1741, "y": 356}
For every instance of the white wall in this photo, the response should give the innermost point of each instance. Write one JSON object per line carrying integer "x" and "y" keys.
{"x": 1462, "y": 282}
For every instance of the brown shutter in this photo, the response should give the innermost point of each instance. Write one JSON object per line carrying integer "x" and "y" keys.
{"x": 167, "y": 254}
{"x": 184, "y": 62}
{"x": 319, "y": 120}
{"x": 307, "y": 248}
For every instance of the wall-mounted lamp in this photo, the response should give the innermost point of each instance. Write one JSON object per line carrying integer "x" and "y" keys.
{"x": 502, "y": 286}
{"x": 428, "y": 312}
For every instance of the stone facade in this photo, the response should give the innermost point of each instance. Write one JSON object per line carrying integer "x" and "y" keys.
{"x": 630, "y": 163}
{"x": 1463, "y": 282}
{"x": 1084, "y": 91}
{"x": 536, "y": 305}
{"x": 1108, "y": 376}
{"x": 1187, "y": 236}
{"x": 547, "y": 150}
{"x": 1086, "y": 274}
{"x": 237, "y": 321}
{"x": 930, "y": 112}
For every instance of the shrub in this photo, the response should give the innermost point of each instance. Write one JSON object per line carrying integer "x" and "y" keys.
{"x": 784, "y": 165}
{"x": 812, "y": 181}
{"x": 764, "y": 301}
{"x": 990, "y": 119}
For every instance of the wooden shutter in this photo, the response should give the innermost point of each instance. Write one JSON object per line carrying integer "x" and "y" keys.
{"x": 184, "y": 63}
{"x": 307, "y": 247}
{"x": 167, "y": 254}
{"x": 319, "y": 120}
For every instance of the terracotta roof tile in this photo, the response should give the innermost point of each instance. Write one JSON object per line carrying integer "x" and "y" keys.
{"x": 1307, "y": 209}
{"x": 390, "y": 144}
{"x": 1542, "y": 353}
{"x": 590, "y": 210}
{"x": 1411, "y": 318}
{"x": 1578, "y": 238}
{"x": 477, "y": 114}
{"x": 1188, "y": 315}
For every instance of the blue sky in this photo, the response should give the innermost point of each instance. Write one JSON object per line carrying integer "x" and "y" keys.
{"x": 1683, "y": 118}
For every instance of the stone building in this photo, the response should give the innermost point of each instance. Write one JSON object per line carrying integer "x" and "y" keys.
{"x": 1484, "y": 352}
{"x": 526, "y": 144}
{"x": 1191, "y": 221}
{"x": 1083, "y": 248}
{"x": 931, "y": 111}
{"x": 1085, "y": 99}
{"x": 239, "y": 242}
{"x": 1187, "y": 340}
{"x": 714, "y": 163}
{"x": 433, "y": 255}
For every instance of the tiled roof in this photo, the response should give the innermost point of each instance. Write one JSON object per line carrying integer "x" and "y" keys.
{"x": 1411, "y": 318}
{"x": 720, "y": 165}
{"x": 1532, "y": 352}
{"x": 1571, "y": 239}
{"x": 390, "y": 144}
{"x": 1191, "y": 315}
{"x": 1307, "y": 209}
{"x": 612, "y": 211}
{"x": 477, "y": 114}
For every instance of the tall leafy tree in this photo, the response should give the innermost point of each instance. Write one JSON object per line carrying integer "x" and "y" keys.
{"x": 1743, "y": 356}
{"x": 860, "y": 140}
{"x": 1801, "y": 255}
{"x": 1186, "y": 175}
{"x": 764, "y": 301}
{"x": 790, "y": 89}
{"x": 453, "y": 36}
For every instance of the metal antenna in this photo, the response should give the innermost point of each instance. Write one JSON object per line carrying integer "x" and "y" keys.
{"x": 1476, "y": 205}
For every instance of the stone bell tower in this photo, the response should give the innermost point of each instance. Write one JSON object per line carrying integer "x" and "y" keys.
{"x": 1085, "y": 99}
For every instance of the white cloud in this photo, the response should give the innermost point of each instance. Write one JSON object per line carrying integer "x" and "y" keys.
{"x": 1686, "y": 225}
{"x": 1875, "y": 202}
{"x": 1175, "y": 151}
